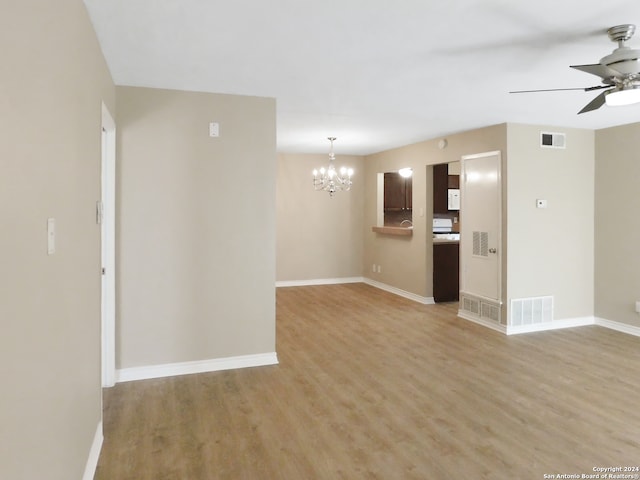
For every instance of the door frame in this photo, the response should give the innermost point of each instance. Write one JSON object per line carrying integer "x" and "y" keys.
{"x": 499, "y": 233}
{"x": 107, "y": 236}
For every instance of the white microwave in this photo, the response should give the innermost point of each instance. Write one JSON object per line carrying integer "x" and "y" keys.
{"x": 453, "y": 199}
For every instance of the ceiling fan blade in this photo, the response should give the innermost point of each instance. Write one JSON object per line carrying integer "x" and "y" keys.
{"x": 597, "y": 69}
{"x": 587, "y": 89}
{"x": 595, "y": 104}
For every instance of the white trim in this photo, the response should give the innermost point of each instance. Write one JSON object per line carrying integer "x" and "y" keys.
{"x": 368, "y": 281}
{"x": 318, "y": 281}
{"x": 399, "y": 292}
{"x": 200, "y": 366}
{"x": 555, "y": 325}
{"x": 481, "y": 321}
{"x": 108, "y": 248}
{"x": 493, "y": 301}
{"x": 94, "y": 454}
{"x": 619, "y": 326}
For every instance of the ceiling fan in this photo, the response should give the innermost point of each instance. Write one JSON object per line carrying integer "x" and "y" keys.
{"x": 619, "y": 71}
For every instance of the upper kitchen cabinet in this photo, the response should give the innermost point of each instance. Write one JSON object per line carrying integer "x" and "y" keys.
{"x": 398, "y": 192}
{"x": 443, "y": 182}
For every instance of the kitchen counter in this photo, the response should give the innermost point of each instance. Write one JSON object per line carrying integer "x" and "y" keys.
{"x": 405, "y": 231}
{"x": 444, "y": 240}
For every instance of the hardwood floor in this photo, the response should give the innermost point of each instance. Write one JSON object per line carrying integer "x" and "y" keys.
{"x": 374, "y": 386}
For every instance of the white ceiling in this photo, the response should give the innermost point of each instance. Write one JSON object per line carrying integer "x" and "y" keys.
{"x": 376, "y": 74}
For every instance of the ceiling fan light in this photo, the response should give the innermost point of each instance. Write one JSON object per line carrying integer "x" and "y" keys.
{"x": 626, "y": 96}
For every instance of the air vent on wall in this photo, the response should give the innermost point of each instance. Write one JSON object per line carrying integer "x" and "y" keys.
{"x": 553, "y": 140}
{"x": 490, "y": 311}
{"x": 480, "y": 244}
{"x": 529, "y": 311}
{"x": 480, "y": 309}
{"x": 471, "y": 305}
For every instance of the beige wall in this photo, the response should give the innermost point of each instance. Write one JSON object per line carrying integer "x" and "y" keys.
{"x": 53, "y": 79}
{"x": 545, "y": 252}
{"x": 551, "y": 250}
{"x": 318, "y": 237}
{"x": 196, "y": 232}
{"x": 617, "y": 235}
{"x": 407, "y": 262}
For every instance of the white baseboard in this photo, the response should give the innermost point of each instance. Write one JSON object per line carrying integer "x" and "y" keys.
{"x": 576, "y": 322}
{"x": 318, "y": 281}
{"x": 480, "y": 321}
{"x": 619, "y": 326}
{"x": 94, "y": 454}
{"x": 520, "y": 329}
{"x": 555, "y": 325}
{"x": 201, "y": 366}
{"x": 398, "y": 291}
{"x": 368, "y": 281}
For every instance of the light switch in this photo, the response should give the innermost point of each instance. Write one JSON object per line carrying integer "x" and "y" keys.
{"x": 51, "y": 236}
{"x": 541, "y": 203}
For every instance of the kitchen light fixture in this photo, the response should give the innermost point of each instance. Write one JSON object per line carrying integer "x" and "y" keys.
{"x": 627, "y": 95}
{"x": 405, "y": 172}
{"x": 331, "y": 180}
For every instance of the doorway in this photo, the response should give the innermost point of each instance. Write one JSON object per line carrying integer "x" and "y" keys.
{"x": 106, "y": 218}
{"x": 481, "y": 239}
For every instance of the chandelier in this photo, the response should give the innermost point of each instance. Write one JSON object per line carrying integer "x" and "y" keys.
{"x": 331, "y": 180}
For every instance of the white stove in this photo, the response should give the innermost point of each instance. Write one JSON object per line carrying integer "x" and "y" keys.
{"x": 442, "y": 225}
{"x": 442, "y": 229}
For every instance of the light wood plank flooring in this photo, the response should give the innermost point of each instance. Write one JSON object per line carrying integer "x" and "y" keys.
{"x": 373, "y": 386}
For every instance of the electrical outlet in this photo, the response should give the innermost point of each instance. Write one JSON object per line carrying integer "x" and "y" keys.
{"x": 379, "y": 269}
{"x": 373, "y": 269}
{"x": 637, "y": 306}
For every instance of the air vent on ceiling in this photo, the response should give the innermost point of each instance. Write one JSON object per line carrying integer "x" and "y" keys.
{"x": 553, "y": 140}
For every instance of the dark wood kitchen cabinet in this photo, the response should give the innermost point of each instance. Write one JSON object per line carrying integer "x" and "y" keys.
{"x": 446, "y": 272}
{"x": 440, "y": 187}
{"x": 397, "y": 192}
{"x": 442, "y": 182}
